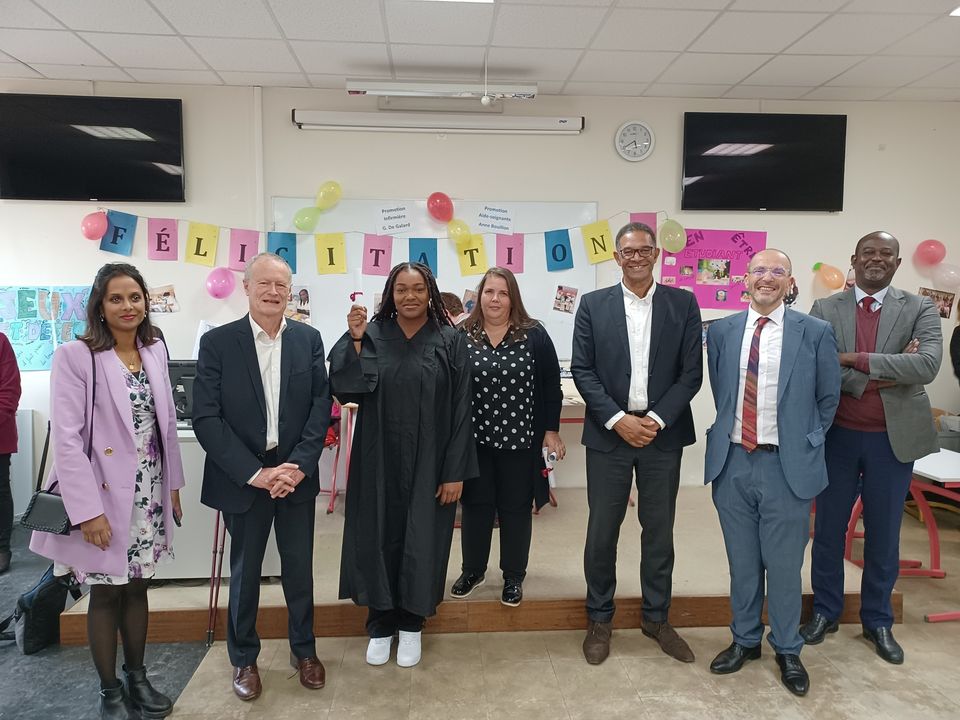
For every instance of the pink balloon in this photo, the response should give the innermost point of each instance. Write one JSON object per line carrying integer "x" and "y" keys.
{"x": 929, "y": 252}
{"x": 94, "y": 225}
{"x": 221, "y": 282}
{"x": 440, "y": 206}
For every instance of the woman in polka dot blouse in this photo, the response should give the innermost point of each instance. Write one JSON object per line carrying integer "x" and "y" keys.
{"x": 516, "y": 413}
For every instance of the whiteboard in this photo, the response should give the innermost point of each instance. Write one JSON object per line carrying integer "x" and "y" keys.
{"x": 330, "y": 294}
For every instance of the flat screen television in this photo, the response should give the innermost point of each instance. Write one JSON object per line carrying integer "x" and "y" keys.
{"x": 763, "y": 161}
{"x": 67, "y": 147}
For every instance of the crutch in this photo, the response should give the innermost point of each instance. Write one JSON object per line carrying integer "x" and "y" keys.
{"x": 216, "y": 574}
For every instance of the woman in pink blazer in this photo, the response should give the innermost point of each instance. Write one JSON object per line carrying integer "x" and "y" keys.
{"x": 123, "y": 499}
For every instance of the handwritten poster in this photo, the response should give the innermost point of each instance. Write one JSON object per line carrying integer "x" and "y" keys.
{"x": 713, "y": 266}
{"x": 37, "y": 319}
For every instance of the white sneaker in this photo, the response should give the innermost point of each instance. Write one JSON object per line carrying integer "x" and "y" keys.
{"x": 408, "y": 650}
{"x": 378, "y": 650}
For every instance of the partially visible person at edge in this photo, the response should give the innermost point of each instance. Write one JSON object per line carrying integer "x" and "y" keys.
{"x": 413, "y": 449}
{"x": 516, "y": 415}
{"x": 123, "y": 496}
{"x": 454, "y": 308}
{"x": 9, "y": 399}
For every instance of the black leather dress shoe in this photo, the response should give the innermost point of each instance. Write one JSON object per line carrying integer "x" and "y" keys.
{"x": 816, "y": 630}
{"x": 512, "y": 593}
{"x": 793, "y": 674}
{"x": 887, "y": 648}
{"x": 733, "y": 658}
{"x": 466, "y": 584}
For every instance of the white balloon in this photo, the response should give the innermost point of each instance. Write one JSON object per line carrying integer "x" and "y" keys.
{"x": 946, "y": 277}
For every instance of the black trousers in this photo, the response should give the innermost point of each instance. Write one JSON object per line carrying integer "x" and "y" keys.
{"x": 386, "y": 623}
{"x": 6, "y": 503}
{"x": 504, "y": 489}
{"x": 609, "y": 478}
{"x": 249, "y": 533}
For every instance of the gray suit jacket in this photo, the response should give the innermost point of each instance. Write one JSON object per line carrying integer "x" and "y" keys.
{"x": 903, "y": 317}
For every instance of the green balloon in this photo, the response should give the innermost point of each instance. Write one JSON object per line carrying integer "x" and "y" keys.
{"x": 306, "y": 219}
{"x": 672, "y": 236}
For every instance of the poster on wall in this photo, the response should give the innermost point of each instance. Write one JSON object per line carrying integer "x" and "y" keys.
{"x": 713, "y": 266}
{"x": 298, "y": 304}
{"x": 38, "y": 319}
{"x": 942, "y": 300}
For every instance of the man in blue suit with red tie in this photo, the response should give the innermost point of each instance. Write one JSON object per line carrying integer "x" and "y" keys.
{"x": 776, "y": 384}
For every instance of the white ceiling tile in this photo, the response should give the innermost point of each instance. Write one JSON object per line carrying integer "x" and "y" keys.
{"x": 25, "y": 14}
{"x": 748, "y": 32}
{"x": 884, "y": 71}
{"x": 605, "y": 88}
{"x": 551, "y": 87}
{"x": 531, "y": 65}
{"x": 438, "y": 61}
{"x": 767, "y": 92}
{"x": 948, "y": 77}
{"x": 941, "y": 37}
{"x": 712, "y": 69}
{"x": 621, "y": 66}
{"x": 688, "y": 91}
{"x": 220, "y": 18}
{"x": 629, "y": 29}
{"x": 808, "y": 70}
{"x": 17, "y": 70}
{"x": 152, "y": 51}
{"x": 930, "y": 7}
{"x": 430, "y": 23}
{"x": 58, "y": 47}
{"x": 82, "y": 72}
{"x": 556, "y": 27}
{"x": 124, "y": 16}
{"x": 356, "y": 20}
{"x": 245, "y": 54}
{"x": 593, "y": 3}
{"x": 263, "y": 79}
{"x": 789, "y": 5}
{"x": 924, "y": 94}
{"x": 348, "y": 59}
{"x": 676, "y": 4}
{"x": 175, "y": 77}
{"x": 850, "y": 94}
{"x": 856, "y": 34}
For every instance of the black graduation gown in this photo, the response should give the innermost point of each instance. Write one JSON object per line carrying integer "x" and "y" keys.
{"x": 413, "y": 432}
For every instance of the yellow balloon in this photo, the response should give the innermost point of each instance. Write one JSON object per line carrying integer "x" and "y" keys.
{"x": 673, "y": 237}
{"x": 329, "y": 195}
{"x": 458, "y": 231}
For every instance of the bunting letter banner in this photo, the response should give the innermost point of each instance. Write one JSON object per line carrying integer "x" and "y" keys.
{"x": 244, "y": 244}
{"x": 597, "y": 241}
{"x": 162, "y": 239}
{"x": 284, "y": 244}
{"x": 331, "y": 254}
{"x": 201, "y": 245}
{"x": 472, "y": 256}
{"x": 121, "y": 228}
{"x": 424, "y": 250}
{"x": 510, "y": 252}
{"x": 557, "y": 246}
{"x": 377, "y": 254}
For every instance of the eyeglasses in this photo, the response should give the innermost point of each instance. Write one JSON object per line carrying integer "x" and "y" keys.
{"x": 777, "y": 272}
{"x": 630, "y": 253}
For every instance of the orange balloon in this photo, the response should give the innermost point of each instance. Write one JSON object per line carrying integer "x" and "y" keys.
{"x": 831, "y": 277}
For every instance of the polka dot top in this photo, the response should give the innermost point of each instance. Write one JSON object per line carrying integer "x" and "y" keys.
{"x": 502, "y": 391}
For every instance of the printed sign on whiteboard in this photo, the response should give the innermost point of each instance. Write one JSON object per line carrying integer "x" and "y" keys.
{"x": 494, "y": 219}
{"x": 394, "y": 219}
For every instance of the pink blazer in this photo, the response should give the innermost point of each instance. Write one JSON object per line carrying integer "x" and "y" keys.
{"x": 104, "y": 483}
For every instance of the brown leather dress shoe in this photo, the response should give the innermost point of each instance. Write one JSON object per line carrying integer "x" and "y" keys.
{"x": 596, "y": 645}
{"x": 668, "y": 639}
{"x": 312, "y": 674}
{"x": 246, "y": 682}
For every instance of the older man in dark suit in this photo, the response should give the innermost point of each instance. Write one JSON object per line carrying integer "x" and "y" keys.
{"x": 261, "y": 409}
{"x": 637, "y": 362}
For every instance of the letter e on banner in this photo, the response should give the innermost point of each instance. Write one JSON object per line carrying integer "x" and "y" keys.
{"x": 162, "y": 239}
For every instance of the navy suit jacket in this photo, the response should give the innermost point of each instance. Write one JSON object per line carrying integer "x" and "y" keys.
{"x": 808, "y": 392}
{"x": 601, "y": 365}
{"x": 230, "y": 413}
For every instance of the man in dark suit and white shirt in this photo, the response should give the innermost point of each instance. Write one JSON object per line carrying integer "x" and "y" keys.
{"x": 261, "y": 410}
{"x": 890, "y": 346}
{"x": 637, "y": 362}
{"x": 776, "y": 384}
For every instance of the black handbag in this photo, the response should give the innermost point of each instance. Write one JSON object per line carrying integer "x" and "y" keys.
{"x": 46, "y": 512}
{"x": 36, "y": 619}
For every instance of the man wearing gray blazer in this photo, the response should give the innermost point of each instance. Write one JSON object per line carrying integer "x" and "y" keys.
{"x": 776, "y": 385}
{"x": 890, "y": 346}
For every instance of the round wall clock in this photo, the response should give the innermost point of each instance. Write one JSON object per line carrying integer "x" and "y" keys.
{"x": 634, "y": 140}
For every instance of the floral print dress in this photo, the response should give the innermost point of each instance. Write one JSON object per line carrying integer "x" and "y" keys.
{"x": 148, "y": 537}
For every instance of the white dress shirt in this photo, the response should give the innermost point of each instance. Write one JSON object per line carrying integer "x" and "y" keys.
{"x": 768, "y": 376}
{"x": 878, "y": 297}
{"x": 639, "y": 313}
{"x": 268, "y": 358}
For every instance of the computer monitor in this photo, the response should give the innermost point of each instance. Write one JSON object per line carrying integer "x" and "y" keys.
{"x": 182, "y": 373}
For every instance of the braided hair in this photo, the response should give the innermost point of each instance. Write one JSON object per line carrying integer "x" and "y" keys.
{"x": 435, "y": 309}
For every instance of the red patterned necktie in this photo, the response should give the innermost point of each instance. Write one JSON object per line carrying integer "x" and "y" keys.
{"x": 749, "y": 433}
{"x": 867, "y": 303}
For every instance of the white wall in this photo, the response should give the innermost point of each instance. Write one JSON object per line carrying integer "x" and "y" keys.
{"x": 900, "y": 176}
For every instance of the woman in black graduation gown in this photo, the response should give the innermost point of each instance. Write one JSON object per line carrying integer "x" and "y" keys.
{"x": 412, "y": 450}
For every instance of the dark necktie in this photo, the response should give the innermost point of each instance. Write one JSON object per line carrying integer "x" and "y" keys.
{"x": 867, "y": 303}
{"x": 749, "y": 432}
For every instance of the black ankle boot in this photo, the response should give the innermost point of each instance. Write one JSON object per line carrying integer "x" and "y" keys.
{"x": 115, "y": 705}
{"x": 149, "y": 702}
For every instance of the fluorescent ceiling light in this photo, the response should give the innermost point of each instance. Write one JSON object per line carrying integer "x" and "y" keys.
{"x": 113, "y": 133}
{"x": 737, "y": 149}
{"x": 400, "y": 88}
{"x": 437, "y": 123}
{"x": 171, "y": 169}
